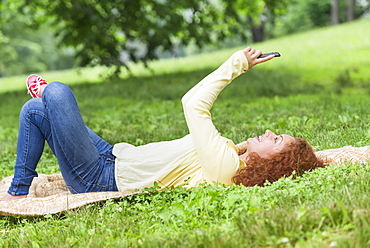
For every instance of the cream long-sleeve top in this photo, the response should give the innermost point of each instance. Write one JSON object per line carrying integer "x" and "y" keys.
{"x": 202, "y": 156}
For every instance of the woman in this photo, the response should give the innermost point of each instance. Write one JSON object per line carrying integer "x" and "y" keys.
{"x": 90, "y": 164}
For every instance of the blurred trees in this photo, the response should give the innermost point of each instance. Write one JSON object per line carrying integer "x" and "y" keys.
{"x": 347, "y": 10}
{"x": 35, "y": 33}
{"x": 304, "y": 15}
{"x": 111, "y": 33}
{"x": 27, "y": 48}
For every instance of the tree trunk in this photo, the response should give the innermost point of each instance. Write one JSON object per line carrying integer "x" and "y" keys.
{"x": 335, "y": 12}
{"x": 349, "y": 10}
{"x": 257, "y": 29}
{"x": 258, "y": 33}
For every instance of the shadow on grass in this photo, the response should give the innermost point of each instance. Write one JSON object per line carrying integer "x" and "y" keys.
{"x": 256, "y": 83}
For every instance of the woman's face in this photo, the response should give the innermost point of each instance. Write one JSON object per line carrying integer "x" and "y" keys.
{"x": 268, "y": 144}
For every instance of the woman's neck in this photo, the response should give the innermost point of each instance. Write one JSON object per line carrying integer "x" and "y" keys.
{"x": 244, "y": 157}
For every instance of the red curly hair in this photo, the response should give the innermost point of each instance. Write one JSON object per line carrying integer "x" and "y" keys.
{"x": 298, "y": 157}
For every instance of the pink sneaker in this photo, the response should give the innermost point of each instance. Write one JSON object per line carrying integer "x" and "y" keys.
{"x": 33, "y": 84}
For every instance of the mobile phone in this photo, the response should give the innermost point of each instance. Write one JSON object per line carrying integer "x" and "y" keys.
{"x": 276, "y": 54}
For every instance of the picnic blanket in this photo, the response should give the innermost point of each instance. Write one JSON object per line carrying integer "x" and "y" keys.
{"x": 345, "y": 155}
{"x": 49, "y": 194}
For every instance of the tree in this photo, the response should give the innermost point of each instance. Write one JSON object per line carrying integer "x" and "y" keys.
{"x": 347, "y": 10}
{"x": 258, "y": 18}
{"x": 111, "y": 33}
{"x": 335, "y": 12}
{"x": 304, "y": 15}
{"x": 25, "y": 49}
{"x": 350, "y": 10}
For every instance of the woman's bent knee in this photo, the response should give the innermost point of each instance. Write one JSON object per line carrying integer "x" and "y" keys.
{"x": 59, "y": 97}
{"x": 56, "y": 90}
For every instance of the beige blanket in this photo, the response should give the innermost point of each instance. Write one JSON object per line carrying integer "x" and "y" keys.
{"x": 345, "y": 155}
{"x": 49, "y": 194}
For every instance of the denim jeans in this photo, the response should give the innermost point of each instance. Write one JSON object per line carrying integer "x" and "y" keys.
{"x": 85, "y": 160}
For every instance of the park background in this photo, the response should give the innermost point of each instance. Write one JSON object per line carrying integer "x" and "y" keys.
{"x": 129, "y": 63}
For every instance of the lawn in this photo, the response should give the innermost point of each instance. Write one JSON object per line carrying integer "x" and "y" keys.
{"x": 319, "y": 90}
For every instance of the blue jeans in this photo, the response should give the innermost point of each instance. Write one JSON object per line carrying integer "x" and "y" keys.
{"x": 85, "y": 159}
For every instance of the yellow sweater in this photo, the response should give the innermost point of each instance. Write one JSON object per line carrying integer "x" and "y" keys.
{"x": 201, "y": 156}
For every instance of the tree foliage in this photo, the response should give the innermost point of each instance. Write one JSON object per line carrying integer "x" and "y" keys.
{"x": 115, "y": 32}
{"x": 111, "y": 33}
{"x": 24, "y": 48}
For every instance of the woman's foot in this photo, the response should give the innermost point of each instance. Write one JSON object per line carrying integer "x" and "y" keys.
{"x": 9, "y": 197}
{"x": 35, "y": 84}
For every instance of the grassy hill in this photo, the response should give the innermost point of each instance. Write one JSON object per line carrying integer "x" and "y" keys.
{"x": 318, "y": 90}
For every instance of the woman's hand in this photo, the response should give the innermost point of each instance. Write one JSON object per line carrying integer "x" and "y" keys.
{"x": 252, "y": 56}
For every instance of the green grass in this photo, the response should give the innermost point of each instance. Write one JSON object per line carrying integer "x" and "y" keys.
{"x": 318, "y": 90}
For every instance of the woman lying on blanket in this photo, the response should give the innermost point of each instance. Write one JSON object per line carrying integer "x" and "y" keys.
{"x": 90, "y": 164}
